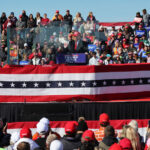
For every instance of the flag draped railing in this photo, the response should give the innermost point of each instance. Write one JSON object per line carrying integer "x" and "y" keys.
{"x": 63, "y": 83}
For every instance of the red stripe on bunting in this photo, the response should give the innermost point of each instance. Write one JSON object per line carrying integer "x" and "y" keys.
{"x": 57, "y": 69}
{"x": 117, "y": 124}
{"x": 101, "y": 98}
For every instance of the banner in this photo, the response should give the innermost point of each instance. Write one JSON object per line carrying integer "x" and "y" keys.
{"x": 62, "y": 83}
{"x": 75, "y": 58}
{"x": 92, "y": 47}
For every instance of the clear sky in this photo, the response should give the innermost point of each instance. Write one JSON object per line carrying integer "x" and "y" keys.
{"x": 104, "y": 10}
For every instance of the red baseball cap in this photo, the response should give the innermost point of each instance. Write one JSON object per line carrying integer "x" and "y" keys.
{"x": 125, "y": 144}
{"x": 57, "y": 11}
{"x": 76, "y": 33}
{"x": 120, "y": 33}
{"x": 136, "y": 39}
{"x": 20, "y": 16}
{"x": 124, "y": 39}
{"x": 115, "y": 147}
{"x": 70, "y": 127}
{"x": 103, "y": 118}
{"x": 88, "y": 135}
{"x": 126, "y": 27}
{"x": 140, "y": 26}
{"x": 113, "y": 35}
{"x": 25, "y": 132}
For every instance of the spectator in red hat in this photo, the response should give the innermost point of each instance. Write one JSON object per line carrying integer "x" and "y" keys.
{"x": 138, "y": 19}
{"x": 109, "y": 138}
{"x": 104, "y": 122}
{"x": 25, "y": 136}
{"x": 69, "y": 141}
{"x": 57, "y": 16}
{"x": 88, "y": 141}
{"x": 20, "y": 24}
{"x": 115, "y": 147}
{"x": 126, "y": 144}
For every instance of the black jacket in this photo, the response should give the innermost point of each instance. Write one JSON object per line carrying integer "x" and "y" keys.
{"x": 68, "y": 19}
{"x": 4, "y": 139}
{"x": 70, "y": 143}
{"x": 107, "y": 142}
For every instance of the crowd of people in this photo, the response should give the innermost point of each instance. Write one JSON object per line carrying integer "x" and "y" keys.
{"x": 77, "y": 137}
{"x": 43, "y": 41}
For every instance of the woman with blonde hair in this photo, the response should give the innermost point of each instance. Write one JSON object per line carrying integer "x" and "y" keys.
{"x": 133, "y": 136}
{"x": 78, "y": 20}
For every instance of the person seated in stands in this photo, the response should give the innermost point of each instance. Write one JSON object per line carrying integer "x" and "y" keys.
{"x": 24, "y": 60}
{"x": 109, "y": 138}
{"x": 130, "y": 58}
{"x": 50, "y": 55}
{"x": 68, "y": 140}
{"x": 103, "y": 122}
{"x": 25, "y": 136}
{"x": 94, "y": 60}
{"x": 140, "y": 31}
{"x": 108, "y": 60}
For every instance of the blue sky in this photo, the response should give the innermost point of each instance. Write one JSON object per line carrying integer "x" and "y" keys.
{"x": 104, "y": 10}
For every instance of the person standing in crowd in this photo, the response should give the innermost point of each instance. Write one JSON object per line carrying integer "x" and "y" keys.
{"x": 45, "y": 21}
{"x": 42, "y": 129}
{"x": 3, "y": 18}
{"x": 4, "y": 136}
{"x": 25, "y": 136}
{"x": 68, "y": 21}
{"x": 31, "y": 22}
{"x": 82, "y": 126}
{"x": 24, "y": 17}
{"x": 146, "y": 18}
{"x": 38, "y": 19}
{"x": 88, "y": 141}
{"x": 57, "y": 16}
{"x": 91, "y": 18}
{"x": 130, "y": 58}
{"x": 103, "y": 122}
{"x": 56, "y": 145}
{"x": 13, "y": 19}
{"x": 77, "y": 21}
{"x": 68, "y": 140}
{"x": 109, "y": 138}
